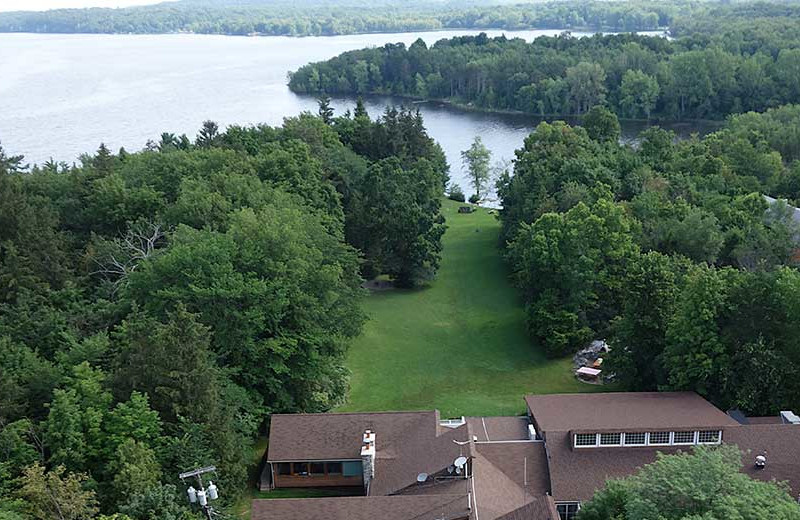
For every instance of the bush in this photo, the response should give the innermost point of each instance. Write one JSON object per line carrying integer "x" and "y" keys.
{"x": 474, "y": 199}
{"x": 456, "y": 193}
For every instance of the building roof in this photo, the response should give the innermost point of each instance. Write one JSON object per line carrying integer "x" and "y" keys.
{"x": 795, "y": 212}
{"x": 575, "y": 474}
{"x": 399, "y": 507}
{"x": 769, "y": 419}
{"x": 631, "y": 411}
{"x": 338, "y": 436}
{"x": 406, "y": 443}
{"x": 780, "y": 443}
{"x": 511, "y": 479}
{"x": 539, "y": 508}
{"x": 499, "y": 428}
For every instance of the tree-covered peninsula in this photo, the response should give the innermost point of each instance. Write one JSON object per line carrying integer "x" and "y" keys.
{"x": 696, "y": 76}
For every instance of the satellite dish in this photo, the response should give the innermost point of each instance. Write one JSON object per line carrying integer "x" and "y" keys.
{"x": 422, "y": 477}
{"x": 460, "y": 462}
{"x": 451, "y": 469}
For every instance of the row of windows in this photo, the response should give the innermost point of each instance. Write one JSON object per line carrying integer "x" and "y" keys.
{"x": 586, "y": 440}
{"x": 306, "y": 469}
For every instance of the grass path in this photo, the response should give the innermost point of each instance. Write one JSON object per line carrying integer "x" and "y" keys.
{"x": 460, "y": 344}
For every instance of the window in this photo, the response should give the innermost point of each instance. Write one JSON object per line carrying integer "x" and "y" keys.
{"x": 284, "y": 468}
{"x": 683, "y": 438}
{"x": 317, "y": 468}
{"x": 568, "y": 510}
{"x": 300, "y": 468}
{"x": 352, "y": 469}
{"x": 334, "y": 468}
{"x": 610, "y": 439}
{"x": 659, "y": 438}
{"x": 709, "y": 437}
{"x": 635, "y": 439}
{"x": 585, "y": 439}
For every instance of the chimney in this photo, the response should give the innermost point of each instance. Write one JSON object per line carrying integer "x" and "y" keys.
{"x": 368, "y": 457}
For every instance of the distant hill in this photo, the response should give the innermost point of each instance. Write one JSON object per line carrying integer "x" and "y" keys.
{"x": 333, "y": 17}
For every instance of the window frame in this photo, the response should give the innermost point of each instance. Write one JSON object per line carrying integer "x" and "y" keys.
{"x": 717, "y": 441}
{"x": 643, "y": 437}
{"x": 651, "y": 443}
{"x": 676, "y": 442}
{"x": 571, "y": 509}
{"x": 614, "y": 434}
{"x": 596, "y": 440}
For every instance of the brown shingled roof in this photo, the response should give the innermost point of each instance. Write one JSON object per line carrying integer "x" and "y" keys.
{"x": 781, "y": 442}
{"x": 337, "y": 436}
{"x": 426, "y": 507}
{"x": 577, "y": 474}
{"x": 406, "y": 443}
{"x": 624, "y": 410}
{"x": 543, "y": 508}
{"x": 509, "y": 476}
{"x": 499, "y": 428}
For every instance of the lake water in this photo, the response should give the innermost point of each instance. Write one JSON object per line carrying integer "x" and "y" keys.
{"x": 62, "y": 95}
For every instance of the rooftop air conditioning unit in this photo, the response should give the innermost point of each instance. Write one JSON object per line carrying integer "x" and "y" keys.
{"x": 789, "y": 417}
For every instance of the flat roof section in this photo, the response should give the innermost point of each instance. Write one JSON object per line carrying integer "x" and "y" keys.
{"x": 496, "y": 429}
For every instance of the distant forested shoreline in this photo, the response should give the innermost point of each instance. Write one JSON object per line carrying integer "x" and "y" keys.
{"x": 323, "y": 19}
{"x": 748, "y": 61}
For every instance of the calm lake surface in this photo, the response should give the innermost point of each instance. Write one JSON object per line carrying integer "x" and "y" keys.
{"x": 62, "y": 95}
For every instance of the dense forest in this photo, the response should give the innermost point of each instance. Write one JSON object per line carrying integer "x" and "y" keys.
{"x": 317, "y": 18}
{"x": 668, "y": 250}
{"x": 701, "y": 76}
{"x": 156, "y": 306}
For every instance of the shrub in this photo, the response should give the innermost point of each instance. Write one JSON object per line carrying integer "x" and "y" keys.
{"x": 456, "y": 193}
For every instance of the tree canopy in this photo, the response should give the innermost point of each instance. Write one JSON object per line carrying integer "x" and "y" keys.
{"x": 704, "y": 484}
{"x": 323, "y": 18}
{"x": 669, "y": 250}
{"x": 157, "y": 306}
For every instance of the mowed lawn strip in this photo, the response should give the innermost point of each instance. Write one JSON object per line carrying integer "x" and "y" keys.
{"x": 460, "y": 344}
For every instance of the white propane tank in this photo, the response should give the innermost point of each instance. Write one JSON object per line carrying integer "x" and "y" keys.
{"x": 201, "y": 497}
{"x": 192, "y": 492}
{"x": 212, "y": 491}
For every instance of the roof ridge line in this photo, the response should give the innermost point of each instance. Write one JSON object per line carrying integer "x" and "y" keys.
{"x": 396, "y": 412}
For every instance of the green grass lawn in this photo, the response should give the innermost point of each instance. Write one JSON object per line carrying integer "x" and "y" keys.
{"x": 458, "y": 345}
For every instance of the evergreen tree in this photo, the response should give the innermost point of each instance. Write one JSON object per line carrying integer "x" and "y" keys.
{"x": 325, "y": 110}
